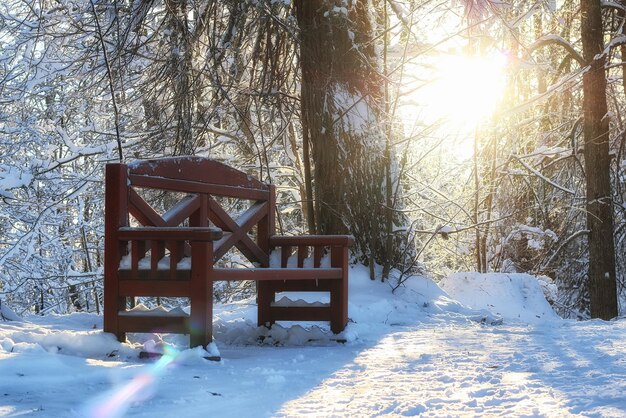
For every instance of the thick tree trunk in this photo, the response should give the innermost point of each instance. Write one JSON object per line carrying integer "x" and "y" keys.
{"x": 181, "y": 74}
{"x": 602, "y": 280}
{"x": 341, "y": 92}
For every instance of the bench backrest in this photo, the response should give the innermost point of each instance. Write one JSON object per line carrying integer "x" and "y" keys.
{"x": 201, "y": 180}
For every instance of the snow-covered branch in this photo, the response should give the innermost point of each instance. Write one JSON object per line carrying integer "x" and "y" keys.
{"x": 559, "y": 41}
{"x": 542, "y": 177}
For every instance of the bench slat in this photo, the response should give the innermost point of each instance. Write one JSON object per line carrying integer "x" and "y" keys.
{"x": 161, "y": 323}
{"x": 197, "y": 169}
{"x": 188, "y": 186}
{"x": 300, "y": 313}
{"x": 162, "y": 288}
{"x": 305, "y": 285}
{"x": 226, "y": 274}
{"x": 178, "y": 233}
{"x": 341, "y": 240}
{"x": 277, "y": 273}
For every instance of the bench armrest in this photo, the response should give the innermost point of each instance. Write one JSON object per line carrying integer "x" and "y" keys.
{"x": 313, "y": 240}
{"x": 169, "y": 233}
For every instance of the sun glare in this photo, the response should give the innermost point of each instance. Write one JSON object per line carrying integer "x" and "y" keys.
{"x": 461, "y": 93}
{"x": 466, "y": 90}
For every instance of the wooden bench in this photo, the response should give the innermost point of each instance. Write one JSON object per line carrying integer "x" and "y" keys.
{"x": 177, "y": 253}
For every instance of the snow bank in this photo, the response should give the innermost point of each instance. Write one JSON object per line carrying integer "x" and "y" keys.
{"x": 403, "y": 338}
{"x": 38, "y": 337}
{"x": 373, "y": 307}
{"x": 418, "y": 299}
{"x": 80, "y": 335}
{"x": 374, "y": 310}
{"x": 6, "y": 314}
{"x": 516, "y": 297}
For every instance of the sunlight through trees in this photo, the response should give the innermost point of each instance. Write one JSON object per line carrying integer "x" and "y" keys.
{"x": 448, "y": 136}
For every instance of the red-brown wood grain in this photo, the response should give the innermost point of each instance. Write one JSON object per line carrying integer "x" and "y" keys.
{"x": 199, "y": 227}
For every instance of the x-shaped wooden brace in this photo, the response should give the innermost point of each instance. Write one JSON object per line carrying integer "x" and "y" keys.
{"x": 239, "y": 229}
{"x": 147, "y": 216}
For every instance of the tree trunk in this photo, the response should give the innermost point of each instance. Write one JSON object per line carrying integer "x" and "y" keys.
{"x": 602, "y": 279}
{"x": 622, "y": 48}
{"x": 181, "y": 67}
{"x": 341, "y": 94}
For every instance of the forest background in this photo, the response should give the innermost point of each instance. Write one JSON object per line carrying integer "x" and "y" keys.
{"x": 446, "y": 136}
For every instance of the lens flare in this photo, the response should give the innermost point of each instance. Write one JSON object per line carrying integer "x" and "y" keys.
{"x": 115, "y": 403}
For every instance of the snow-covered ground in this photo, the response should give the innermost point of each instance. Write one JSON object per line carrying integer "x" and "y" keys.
{"x": 420, "y": 351}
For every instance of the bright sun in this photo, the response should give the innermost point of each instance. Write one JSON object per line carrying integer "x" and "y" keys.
{"x": 466, "y": 90}
{"x": 461, "y": 93}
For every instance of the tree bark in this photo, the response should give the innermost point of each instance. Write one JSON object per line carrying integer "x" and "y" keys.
{"x": 602, "y": 278}
{"x": 341, "y": 96}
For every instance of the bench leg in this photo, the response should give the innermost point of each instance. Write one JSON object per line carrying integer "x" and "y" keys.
{"x": 338, "y": 306}
{"x": 339, "y": 290}
{"x": 113, "y": 304}
{"x": 201, "y": 326}
{"x": 265, "y": 297}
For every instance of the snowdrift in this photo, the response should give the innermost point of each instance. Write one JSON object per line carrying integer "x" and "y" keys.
{"x": 515, "y": 297}
{"x": 374, "y": 308}
{"x": 7, "y": 314}
{"x": 416, "y": 351}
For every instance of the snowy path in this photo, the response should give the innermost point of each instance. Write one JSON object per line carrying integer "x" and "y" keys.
{"x": 473, "y": 370}
{"x": 429, "y": 369}
{"x": 416, "y": 352}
